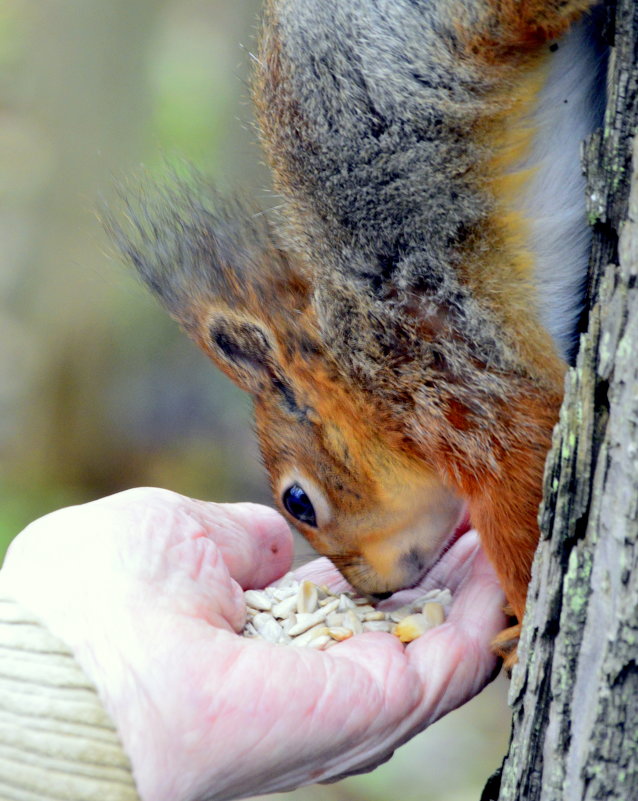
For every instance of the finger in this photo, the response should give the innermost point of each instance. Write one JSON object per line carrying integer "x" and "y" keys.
{"x": 455, "y": 660}
{"x": 255, "y": 540}
{"x": 478, "y": 604}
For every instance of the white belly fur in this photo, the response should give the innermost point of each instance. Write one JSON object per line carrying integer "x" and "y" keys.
{"x": 570, "y": 107}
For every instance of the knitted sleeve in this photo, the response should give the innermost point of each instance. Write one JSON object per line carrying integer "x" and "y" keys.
{"x": 56, "y": 740}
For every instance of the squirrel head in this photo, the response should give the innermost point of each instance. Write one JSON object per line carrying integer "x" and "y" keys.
{"x": 342, "y": 469}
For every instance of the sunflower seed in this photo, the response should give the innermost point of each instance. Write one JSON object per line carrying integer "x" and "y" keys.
{"x": 430, "y": 596}
{"x": 267, "y": 627}
{"x": 411, "y": 627}
{"x": 285, "y": 607}
{"x": 308, "y": 636}
{"x": 339, "y": 633}
{"x": 257, "y": 599}
{"x": 328, "y": 608}
{"x": 304, "y": 614}
{"x": 307, "y": 597}
{"x": 445, "y": 599}
{"x": 319, "y": 642}
{"x": 397, "y": 615}
{"x": 434, "y": 613}
{"x": 377, "y": 625}
{"x": 345, "y": 603}
{"x": 334, "y": 619}
{"x": 304, "y": 622}
{"x": 325, "y": 600}
{"x": 352, "y": 622}
{"x": 282, "y": 593}
{"x": 288, "y": 623}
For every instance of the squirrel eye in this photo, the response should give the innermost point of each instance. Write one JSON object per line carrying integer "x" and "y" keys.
{"x": 298, "y": 504}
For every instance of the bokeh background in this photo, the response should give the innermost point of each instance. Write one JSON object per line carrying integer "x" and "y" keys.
{"x": 99, "y": 391}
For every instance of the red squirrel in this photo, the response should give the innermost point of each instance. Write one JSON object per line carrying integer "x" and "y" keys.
{"x": 404, "y": 327}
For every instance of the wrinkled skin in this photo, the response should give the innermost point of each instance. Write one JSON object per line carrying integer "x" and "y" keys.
{"x": 145, "y": 587}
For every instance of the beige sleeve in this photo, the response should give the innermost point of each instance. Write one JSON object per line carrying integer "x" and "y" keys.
{"x": 56, "y": 740}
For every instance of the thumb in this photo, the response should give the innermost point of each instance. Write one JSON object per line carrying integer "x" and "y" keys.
{"x": 255, "y": 541}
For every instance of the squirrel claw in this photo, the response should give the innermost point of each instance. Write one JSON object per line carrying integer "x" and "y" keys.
{"x": 505, "y": 645}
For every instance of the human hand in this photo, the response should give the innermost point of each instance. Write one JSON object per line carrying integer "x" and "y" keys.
{"x": 144, "y": 587}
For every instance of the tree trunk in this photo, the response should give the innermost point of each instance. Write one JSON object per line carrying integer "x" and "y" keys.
{"x": 575, "y": 691}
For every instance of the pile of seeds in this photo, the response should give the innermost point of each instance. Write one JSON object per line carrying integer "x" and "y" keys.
{"x": 304, "y": 614}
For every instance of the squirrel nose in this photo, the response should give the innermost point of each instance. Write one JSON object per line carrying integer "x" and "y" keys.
{"x": 379, "y": 596}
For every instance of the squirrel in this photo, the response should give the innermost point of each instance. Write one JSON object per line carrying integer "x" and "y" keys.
{"x": 405, "y": 327}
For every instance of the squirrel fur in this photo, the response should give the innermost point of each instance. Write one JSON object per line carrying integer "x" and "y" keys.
{"x": 405, "y": 327}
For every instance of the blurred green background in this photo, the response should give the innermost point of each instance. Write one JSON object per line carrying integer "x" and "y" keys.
{"x": 99, "y": 391}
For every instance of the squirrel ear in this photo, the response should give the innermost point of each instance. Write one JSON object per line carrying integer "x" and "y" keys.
{"x": 218, "y": 268}
{"x": 242, "y": 349}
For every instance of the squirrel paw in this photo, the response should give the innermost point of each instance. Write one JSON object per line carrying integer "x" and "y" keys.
{"x": 505, "y": 645}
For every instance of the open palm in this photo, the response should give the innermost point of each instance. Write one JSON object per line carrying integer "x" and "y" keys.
{"x": 145, "y": 587}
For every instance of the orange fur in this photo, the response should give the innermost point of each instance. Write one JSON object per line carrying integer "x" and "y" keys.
{"x": 513, "y": 30}
{"x": 501, "y": 270}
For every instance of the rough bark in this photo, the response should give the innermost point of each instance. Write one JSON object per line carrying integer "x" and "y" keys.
{"x": 574, "y": 693}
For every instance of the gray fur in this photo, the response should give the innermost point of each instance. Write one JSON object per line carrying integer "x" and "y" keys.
{"x": 384, "y": 157}
{"x": 386, "y": 161}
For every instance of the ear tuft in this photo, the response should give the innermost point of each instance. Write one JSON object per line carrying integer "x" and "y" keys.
{"x": 196, "y": 250}
{"x": 219, "y": 269}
